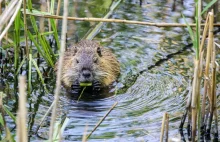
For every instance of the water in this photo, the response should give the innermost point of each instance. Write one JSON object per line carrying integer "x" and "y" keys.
{"x": 144, "y": 100}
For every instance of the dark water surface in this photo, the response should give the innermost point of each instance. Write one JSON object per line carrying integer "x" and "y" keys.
{"x": 142, "y": 101}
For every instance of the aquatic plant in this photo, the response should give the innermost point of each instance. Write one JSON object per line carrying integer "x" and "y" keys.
{"x": 193, "y": 106}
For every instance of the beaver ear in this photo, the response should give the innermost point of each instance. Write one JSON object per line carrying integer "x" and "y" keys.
{"x": 99, "y": 51}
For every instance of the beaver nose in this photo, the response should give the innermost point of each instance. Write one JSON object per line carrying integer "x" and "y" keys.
{"x": 86, "y": 73}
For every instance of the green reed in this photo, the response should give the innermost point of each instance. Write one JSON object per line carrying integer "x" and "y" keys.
{"x": 40, "y": 46}
{"x": 196, "y": 35}
{"x": 17, "y": 36}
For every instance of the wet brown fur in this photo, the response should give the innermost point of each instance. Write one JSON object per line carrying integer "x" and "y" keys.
{"x": 106, "y": 68}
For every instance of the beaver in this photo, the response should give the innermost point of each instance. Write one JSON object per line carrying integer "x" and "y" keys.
{"x": 89, "y": 62}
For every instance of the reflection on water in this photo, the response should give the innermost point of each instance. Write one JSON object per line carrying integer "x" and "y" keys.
{"x": 138, "y": 115}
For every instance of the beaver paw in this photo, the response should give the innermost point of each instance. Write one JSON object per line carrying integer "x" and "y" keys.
{"x": 96, "y": 86}
{"x": 75, "y": 88}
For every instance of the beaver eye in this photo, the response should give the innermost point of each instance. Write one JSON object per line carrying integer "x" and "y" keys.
{"x": 77, "y": 61}
{"x": 75, "y": 49}
{"x": 99, "y": 51}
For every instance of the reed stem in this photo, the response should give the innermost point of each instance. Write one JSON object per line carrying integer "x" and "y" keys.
{"x": 11, "y": 20}
{"x": 101, "y": 120}
{"x": 194, "y": 99}
{"x": 22, "y": 112}
{"x": 167, "y": 127}
{"x": 58, "y": 11}
{"x": 25, "y": 29}
{"x": 208, "y": 59}
{"x": 162, "y": 128}
{"x": 59, "y": 72}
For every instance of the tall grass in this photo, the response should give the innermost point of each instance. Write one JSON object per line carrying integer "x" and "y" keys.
{"x": 22, "y": 33}
{"x": 198, "y": 122}
{"x": 59, "y": 72}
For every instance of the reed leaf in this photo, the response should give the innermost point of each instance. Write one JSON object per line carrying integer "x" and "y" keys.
{"x": 52, "y": 5}
{"x": 97, "y": 28}
{"x": 30, "y": 5}
{"x": 9, "y": 136}
{"x": 5, "y": 107}
{"x": 17, "y": 36}
{"x": 21, "y": 64}
{"x": 44, "y": 53}
{"x": 59, "y": 129}
{"x": 40, "y": 75}
{"x": 47, "y": 50}
{"x": 45, "y": 46}
{"x": 192, "y": 36}
{"x": 53, "y": 24}
{"x": 37, "y": 45}
{"x": 54, "y": 28}
{"x": 29, "y": 73}
{"x": 1, "y": 120}
{"x": 35, "y": 36}
{"x": 208, "y": 6}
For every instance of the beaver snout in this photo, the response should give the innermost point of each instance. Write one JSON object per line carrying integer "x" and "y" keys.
{"x": 86, "y": 76}
{"x": 86, "y": 73}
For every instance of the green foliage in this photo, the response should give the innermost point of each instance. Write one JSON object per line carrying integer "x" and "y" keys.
{"x": 5, "y": 108}
{"x": 97, "y": 28}
{"x": 29, "y": 73}
{"x": 21, "y": 64}
{"x": 195, "y": 36}
{"x": 208, "y": 6}
{"x": 40, "y": 75}
{"x": 17, "y": 36}
{"x": 1, "y": 120}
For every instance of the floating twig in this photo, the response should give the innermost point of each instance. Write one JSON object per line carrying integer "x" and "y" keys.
{"x": 115, "y": 20}
{"x": 81, "y": 94}
{"x": 97, "y": 28}
{"x": 46, "y": 114}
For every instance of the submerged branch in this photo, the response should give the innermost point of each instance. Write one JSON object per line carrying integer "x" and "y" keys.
{"x": 101, "y": 120}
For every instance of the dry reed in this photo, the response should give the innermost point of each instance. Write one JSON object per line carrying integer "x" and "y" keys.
{"x": 164, "y": 127}
{"x": 208, "y": 59}
{"x": 22, "y": 111}
{"x": 59, "y": 72}
{"x": 6, "y": 15}
{"x": 193, "y": 104}
{"x": 25, "y": 29}
{"x": 58, "y": 11}
{"x": 84, "y": 134}
{"x": 117, "y": 21}
{"x": 101, "y": 120}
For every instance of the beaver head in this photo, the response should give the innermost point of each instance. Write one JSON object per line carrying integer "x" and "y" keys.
{"x": 87, "y": 64}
